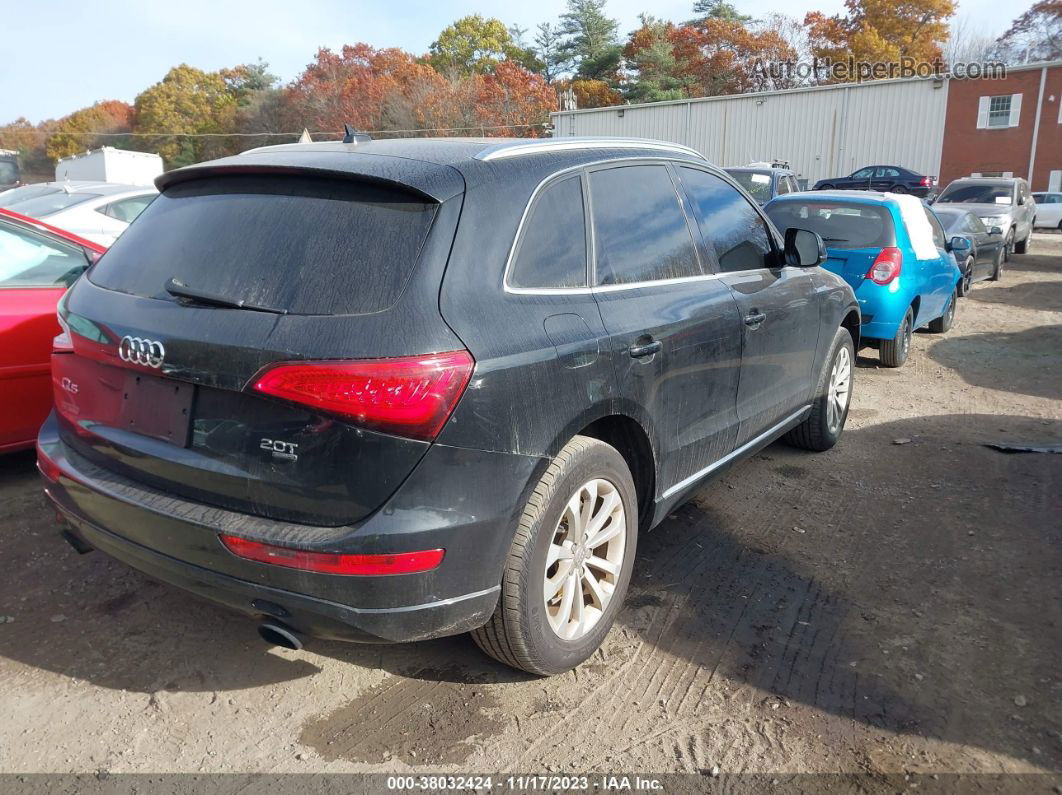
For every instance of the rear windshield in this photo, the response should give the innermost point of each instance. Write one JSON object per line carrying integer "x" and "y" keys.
{"x": 977, "y": 194}
{"x": 43, "y": 206}
{"x": 840, "y": 224}
{"x": 757, "y": 183}
{"x": 308, "y": 246}
{"x": 12, "y": 197}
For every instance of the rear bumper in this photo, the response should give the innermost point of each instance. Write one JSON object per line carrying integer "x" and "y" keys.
{"x": 176, "y": 542}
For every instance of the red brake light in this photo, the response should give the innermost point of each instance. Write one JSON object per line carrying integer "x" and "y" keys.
{"x": 409, "y": 396}
{"x": 926, "y": 182}
{"x": 333, "y": 563}
{"x": 886, "y": 266}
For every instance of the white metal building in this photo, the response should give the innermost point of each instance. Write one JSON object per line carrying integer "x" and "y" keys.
{"x": 823, "y": 131}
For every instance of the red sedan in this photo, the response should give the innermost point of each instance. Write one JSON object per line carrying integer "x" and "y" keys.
{"x": 37, "y": 263}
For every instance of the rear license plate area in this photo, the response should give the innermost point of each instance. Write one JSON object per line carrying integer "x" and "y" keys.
{"x": 157, "y": 407}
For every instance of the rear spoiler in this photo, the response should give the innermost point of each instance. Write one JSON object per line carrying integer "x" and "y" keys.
{"x": 430, "y": 181}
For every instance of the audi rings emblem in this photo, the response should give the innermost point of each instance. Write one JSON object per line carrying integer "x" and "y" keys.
{"x": 137, "y": 350}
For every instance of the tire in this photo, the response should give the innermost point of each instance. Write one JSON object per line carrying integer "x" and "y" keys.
{"x": 894, "y": 352}
{"x": 1024, "y": 246}
{"x": 997, "y": 267}
{"x": 941, "y": 324}
{"x": 824, "y": 425}
{"x": 827, "y": 186}
{"x": 521, "y": 632}
{"x": 898, "y": 189}
{"x": 966, "y": 282}
{"x": 1008, "y": 246}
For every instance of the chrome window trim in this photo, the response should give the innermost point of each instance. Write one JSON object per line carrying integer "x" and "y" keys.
{"x": 548, "y": 145}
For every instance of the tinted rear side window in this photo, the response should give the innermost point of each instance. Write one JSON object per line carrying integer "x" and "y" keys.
{"x": 728, "y": 222}
{"x": 552, "y": 248}
{"x": 309, "y": 246}
{"x": 840, "y": 224}
{"x": 640, "y": 230}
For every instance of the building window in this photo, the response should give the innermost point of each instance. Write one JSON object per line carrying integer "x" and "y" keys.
{"x": 999, "y": 111}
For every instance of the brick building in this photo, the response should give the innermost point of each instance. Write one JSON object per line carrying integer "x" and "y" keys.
{"x": 1007, "y": 127}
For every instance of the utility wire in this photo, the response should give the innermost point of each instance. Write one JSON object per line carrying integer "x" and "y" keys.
{"x": 282, "y": 134}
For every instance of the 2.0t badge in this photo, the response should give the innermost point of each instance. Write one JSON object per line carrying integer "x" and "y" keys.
{"x": 137, "y": 350}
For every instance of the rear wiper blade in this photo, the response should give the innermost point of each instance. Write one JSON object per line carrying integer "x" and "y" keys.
{"x": 178, "y": 290}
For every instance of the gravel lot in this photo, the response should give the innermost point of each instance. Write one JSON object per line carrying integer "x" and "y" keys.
{"x": 892, "y": 606}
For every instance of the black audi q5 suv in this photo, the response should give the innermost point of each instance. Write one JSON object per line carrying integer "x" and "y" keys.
{"x": 394, "y": 390}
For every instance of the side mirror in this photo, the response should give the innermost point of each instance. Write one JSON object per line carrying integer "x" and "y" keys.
{"x": 803, "y": 249}
{"x": 958, "y": 244}
{"x": 995, "y": 230}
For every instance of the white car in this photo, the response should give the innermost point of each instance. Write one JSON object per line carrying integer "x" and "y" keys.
{"x": 98, "y": 211}
{"x": 1048, "y": 210}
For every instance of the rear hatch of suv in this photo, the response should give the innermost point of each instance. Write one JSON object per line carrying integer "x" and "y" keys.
{"x": 268, "y": 342}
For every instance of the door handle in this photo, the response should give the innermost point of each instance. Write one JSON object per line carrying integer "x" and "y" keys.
{"x": 648, "y": 349}
{"x": 754, "y": 318}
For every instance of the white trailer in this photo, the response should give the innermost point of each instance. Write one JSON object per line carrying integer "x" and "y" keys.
{"x": 110, "y": 165}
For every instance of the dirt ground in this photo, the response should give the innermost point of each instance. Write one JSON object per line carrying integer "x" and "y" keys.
{"x": 890, "y": 607}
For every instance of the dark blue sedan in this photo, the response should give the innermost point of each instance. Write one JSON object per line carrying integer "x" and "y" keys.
{"x": 890, "y": 179}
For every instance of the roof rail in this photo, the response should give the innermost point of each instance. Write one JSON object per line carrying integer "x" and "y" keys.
{"x": 503, "y": 150}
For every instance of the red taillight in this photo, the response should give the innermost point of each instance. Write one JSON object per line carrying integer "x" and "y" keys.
{"x": 409, "y": 396}
{"x": 886, "y": 266}
{"x": 47, "y": 467}
{"x": 332, "y": 563}
{"x": 926, "y": 182}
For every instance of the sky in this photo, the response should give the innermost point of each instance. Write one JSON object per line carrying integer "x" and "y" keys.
{"x": 61, "y": 55}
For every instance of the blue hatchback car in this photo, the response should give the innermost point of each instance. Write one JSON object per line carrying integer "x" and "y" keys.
{"x": 892, "y": 250}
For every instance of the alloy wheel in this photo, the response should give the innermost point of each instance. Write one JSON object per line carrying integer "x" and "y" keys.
{"x": 839, "y": 390}
{"x": 584, "y": 559}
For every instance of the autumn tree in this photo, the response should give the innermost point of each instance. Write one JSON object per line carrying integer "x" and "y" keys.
{"x": 882, "y": 31}
{"x": 186, "y": 101}
{"x": 590, "y": 93}
{"x": 650, "y": 55}
{"x": 474, "y": 44}
{"x": 90, "y": 128}
{"x": 591, "y": 40}
{"x": 1036, "y": 35}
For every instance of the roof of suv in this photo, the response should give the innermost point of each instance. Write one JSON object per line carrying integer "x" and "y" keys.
{"x": 437, "y": 168}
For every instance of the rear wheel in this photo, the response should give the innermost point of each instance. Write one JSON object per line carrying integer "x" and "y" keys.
{"x": 823, "y": 426}
{"x": 894, "y": 352}
{"x": 898, "y": 189}
{"x": 945, "y": 321}
{"x": 966, "y": 282}
{"x": 827, "y": 186}
{"x": 569, "y": 564}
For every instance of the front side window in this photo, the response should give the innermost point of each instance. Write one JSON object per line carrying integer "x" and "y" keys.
{"x": 999, "y": 111}
{"x": 552, "y": 247}
{"x": 640, "y": 231}
{"x": 784, "y": 186}
{"x": 29, "y": 260}
{"x": 728, "y": 223}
